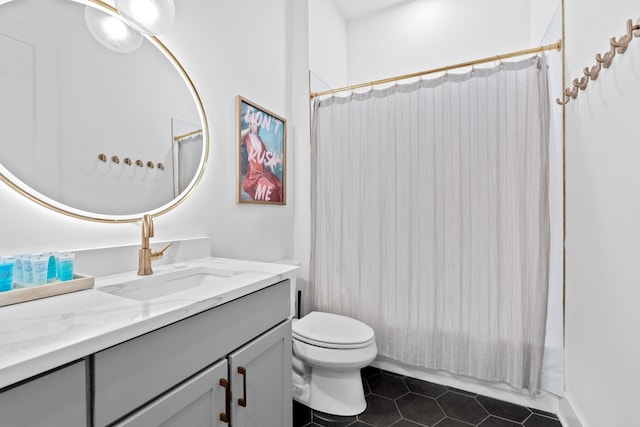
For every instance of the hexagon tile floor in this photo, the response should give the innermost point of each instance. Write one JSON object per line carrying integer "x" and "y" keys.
{"x": 397, "y": 401}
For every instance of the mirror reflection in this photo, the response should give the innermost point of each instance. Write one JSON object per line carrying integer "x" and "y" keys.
{"x": 70, "y": 100}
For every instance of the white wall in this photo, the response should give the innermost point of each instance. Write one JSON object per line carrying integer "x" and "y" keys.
{"x": 328, "y": 42}
{"x": 602, "y": 227}
{"x": 254, "y": 48}
{"x": 541, "y": 13}
{"x": 421, "y": 35}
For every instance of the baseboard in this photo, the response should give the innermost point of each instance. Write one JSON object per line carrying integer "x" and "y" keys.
{"x": 567, "y": 415}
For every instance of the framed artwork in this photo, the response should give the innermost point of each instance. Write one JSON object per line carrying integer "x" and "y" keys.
{"x": 262, "y": 144}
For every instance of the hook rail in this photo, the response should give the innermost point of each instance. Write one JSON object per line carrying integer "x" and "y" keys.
{"x": 127, "y": 161}
{"x": 617, "y": 46}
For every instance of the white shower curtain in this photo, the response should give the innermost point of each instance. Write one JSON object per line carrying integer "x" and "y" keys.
{"x": 188, "y": 152}
{"x": 430, "y": 219}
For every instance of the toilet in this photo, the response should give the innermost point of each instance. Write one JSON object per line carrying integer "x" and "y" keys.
{"x": 328, "y": 352}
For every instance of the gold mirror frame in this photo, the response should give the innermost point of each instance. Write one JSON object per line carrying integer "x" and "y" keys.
{"x": 94, "y": 217}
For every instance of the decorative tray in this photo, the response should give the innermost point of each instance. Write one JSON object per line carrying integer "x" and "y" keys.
{"x": 15, "y": 296}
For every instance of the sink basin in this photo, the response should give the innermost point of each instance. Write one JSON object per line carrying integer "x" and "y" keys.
{"x": 145, "y": 288}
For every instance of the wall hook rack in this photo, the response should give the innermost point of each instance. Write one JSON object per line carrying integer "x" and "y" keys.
{"x": 127, "y": 161}
{"x": 617, "y": 46}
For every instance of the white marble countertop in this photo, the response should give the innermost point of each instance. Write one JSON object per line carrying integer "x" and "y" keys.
{"x": 41, "y": 335}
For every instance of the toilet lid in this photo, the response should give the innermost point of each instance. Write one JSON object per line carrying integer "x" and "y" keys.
{"x": 332, "y": 331}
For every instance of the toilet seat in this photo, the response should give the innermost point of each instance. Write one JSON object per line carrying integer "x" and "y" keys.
{"x": 333, "y": 331}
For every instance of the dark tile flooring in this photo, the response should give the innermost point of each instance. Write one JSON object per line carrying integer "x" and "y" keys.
{"x": 398, "y": 401}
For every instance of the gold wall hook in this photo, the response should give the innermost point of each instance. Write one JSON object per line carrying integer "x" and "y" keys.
{"x": 623, "y": 42}
{"x": 127, "y": 161}
{"x": 102, "y": 157}
{"x": 115, "y": 159}
{"x": 161, "y": 166}
{"x": 150, "y": 164}
{"x": 607, "y": 58}
{"x": 566, "y": 100}
{"x": 581, "y": 83}
{"x": 593, "y": 72}
{"x": 139, "y": 163}
{"x": 572, "y": 93}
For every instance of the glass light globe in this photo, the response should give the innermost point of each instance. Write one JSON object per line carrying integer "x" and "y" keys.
{"x": 148, "y": 16}
{"x": 111, "y": 31}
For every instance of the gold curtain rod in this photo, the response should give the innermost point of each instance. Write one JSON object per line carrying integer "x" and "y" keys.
{"x": 553, "y": 46}
{"x": 187, "y": 135}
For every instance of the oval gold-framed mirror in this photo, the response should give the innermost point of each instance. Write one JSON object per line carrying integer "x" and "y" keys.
{"x": 90, "y": 132}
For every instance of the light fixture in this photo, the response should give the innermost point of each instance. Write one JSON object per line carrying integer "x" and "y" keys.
{"x": 111, "y": 31}
{"x": 151, "y": 17}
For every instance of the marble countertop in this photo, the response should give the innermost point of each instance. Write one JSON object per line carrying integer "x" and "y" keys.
{"x": 41, "y": 335}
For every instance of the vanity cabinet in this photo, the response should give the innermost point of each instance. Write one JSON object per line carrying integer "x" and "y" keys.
{"x": 172, "y": 375}
{"x": 57, "y": 398}
{"x": 249, "y": 388}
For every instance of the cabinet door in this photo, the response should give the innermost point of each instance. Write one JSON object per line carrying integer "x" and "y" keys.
{"x": 55, "y": 399}
{"x": 198, "y": 402}
{"x": 260, "y": 374}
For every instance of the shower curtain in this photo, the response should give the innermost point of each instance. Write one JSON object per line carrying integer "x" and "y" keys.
{"x": 187, "y": 152}
{"x": 430, "y": 219}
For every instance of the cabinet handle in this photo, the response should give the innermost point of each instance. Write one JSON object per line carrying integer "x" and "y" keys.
{"x": 242, "y": 401}
{"x": 224, "y": 416}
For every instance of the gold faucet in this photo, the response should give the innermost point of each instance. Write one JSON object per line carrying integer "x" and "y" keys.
{"x": 145, "y": 254}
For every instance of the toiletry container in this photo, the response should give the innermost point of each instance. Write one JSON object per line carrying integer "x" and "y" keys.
{"x": 6, "y": 273}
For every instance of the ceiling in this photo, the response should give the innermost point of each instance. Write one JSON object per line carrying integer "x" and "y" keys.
{"x": 352, "y": 9}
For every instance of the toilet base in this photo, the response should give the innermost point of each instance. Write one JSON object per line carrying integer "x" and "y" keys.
{"x": 331, "y": 392}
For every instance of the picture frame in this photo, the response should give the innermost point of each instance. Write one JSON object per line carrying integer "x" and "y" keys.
{"x": 262, "y": 148}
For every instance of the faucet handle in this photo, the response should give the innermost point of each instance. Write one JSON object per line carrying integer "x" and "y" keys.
{"x": 159, "y": 254}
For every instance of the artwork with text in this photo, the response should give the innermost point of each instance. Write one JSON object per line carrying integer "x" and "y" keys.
{"x": 262, "y": 151}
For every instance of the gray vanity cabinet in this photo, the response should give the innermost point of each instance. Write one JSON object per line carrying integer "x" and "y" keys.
{"x": 260, "y": 395}
{"x": 57, "y": 398}
{"x": 170, "y": 372}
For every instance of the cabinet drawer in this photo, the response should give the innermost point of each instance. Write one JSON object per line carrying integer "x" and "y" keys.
{"x": 55, "y": 399}
{"x": 132, "y": 373}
